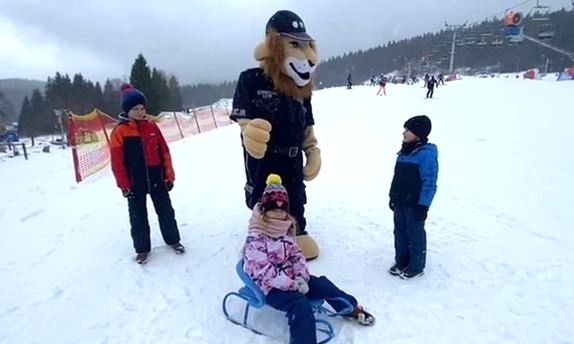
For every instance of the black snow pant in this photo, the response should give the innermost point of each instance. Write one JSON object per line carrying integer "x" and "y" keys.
{"x": 302, "y": 326}
{"x": 430, "y": 92}
{"x": 410, "y": 239}
{"x": 140, "y": 229}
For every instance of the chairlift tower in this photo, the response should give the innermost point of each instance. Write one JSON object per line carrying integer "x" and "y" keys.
{"x": 453, "y": 44}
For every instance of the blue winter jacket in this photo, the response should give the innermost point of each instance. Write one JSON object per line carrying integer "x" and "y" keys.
{"x": 414, "y": 182}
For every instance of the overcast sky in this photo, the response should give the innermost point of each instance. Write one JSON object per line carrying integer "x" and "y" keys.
{"x": 203, "y": 40}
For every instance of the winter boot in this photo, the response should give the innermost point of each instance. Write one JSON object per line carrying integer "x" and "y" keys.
{"x": 178, "y": 248}
{"x": 362, "y": 316}
{"x": 142, "y": 257}
{"x": 396, "y": 270}
{"x": 410, "y": 273}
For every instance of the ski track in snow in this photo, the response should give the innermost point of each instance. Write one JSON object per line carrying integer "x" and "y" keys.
{"x": 495, "y": 272}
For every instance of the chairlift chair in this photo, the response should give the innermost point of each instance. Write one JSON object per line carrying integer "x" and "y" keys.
{"x": 546, "y": 35}
{"x": 539, "y": 12}
{"x": 481, "y": 43}
{"x": 516, "y": 39}
{"x": 497, "y": 42}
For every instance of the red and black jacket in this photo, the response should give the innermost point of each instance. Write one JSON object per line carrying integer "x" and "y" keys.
{"x": 140, "y": 156}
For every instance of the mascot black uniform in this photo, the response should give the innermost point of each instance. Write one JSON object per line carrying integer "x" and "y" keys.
{"x": 272, "y": 105}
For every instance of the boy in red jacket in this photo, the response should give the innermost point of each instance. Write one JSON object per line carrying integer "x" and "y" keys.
{"x": 141, "y": 164}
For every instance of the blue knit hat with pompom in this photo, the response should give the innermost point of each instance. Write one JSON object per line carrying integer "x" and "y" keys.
{"x": 131, "y": 97}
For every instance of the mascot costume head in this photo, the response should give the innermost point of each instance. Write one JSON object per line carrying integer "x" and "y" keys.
{"x": 288, "y": 55}
{"x": 272, "y": 104}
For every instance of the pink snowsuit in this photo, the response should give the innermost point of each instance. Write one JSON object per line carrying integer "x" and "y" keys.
{"x": 272, "y": 257}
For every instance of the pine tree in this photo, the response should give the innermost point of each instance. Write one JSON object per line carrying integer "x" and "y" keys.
{"x": 175, "y": 94}
{"x": 6, "y": 109}
{"x": 161, "y": 94}
{"x": 140, "y": 78}
{"x": 25, "y": 125}
{"x": 111, "y": 99}
{"x": 43, "y": 120}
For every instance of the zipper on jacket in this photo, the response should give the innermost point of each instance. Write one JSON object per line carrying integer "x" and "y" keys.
{"x": 144, "y": 157}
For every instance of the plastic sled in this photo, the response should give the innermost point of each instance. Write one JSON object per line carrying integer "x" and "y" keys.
{"x": 254, "y": 297}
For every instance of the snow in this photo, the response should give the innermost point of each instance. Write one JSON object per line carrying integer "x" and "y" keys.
{"x": 500, "y": 242}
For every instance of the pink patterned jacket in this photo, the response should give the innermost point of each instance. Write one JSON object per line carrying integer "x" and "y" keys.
{"x": 273, "y": 259}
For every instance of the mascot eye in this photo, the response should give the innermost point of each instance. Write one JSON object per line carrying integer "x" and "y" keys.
{"x": 294, "y": 44}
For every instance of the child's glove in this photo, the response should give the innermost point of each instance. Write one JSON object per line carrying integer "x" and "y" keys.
{"x": 301, "y": 285}
{"x": 129, "y": 194}
{"x": 421, "y": 212}
{"x": 168, "y": 185}
{"x": 255, "y": 136}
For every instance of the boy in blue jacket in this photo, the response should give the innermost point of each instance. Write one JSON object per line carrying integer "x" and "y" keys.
{"x": 412, "y": 191}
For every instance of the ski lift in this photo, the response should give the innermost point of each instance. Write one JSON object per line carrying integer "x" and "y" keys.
{"x": 497, "y": 42}
{"x": 470, "y": 40}
{"x": 516, "y": 39}
{"x": 539, "y": 12}
{"x": 546, "y": 32}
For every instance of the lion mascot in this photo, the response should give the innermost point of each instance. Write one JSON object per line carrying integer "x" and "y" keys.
{"x": 272, "y": 105}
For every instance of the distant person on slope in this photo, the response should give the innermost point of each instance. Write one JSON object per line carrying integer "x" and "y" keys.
{"x": 349, "y": 81}
{"x": 412, "y": 191}
{"x": 430, "y": 86}
{"x": 141, "y": 164}
{"x": 277, "y": 266}
{"x": 440, "y": 79}
{"x": 382, "y": 85}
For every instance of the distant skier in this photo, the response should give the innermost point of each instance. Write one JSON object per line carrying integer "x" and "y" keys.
{"x": 440, "y": 79}
{"x": 430, "y": 86}
{"x": 382, "y": 84}
{"x": 349, "y": 81}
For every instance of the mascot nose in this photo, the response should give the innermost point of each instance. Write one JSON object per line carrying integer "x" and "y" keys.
{"x": 311, "y": 63}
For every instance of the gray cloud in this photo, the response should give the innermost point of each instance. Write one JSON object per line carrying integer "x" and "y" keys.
{"x": 205, "y": 40}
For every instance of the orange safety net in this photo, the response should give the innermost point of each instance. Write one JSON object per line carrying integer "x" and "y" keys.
{"x": 89, "y": 133}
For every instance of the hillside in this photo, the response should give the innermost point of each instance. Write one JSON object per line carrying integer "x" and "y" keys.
{"x": 14, "y": 91}
{"x": 431, "y": 52}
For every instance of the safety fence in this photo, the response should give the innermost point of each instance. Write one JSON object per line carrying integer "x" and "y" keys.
{"x": 89, "y": 134}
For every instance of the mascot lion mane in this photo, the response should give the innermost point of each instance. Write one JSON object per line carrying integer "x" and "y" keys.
{"x": 272, "y": 105}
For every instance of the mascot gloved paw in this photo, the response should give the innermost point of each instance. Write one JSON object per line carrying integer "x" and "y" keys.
{"x": 308, "y": 246}
{"x": 312, "y": 154}
{"x": 313, "y": 165}
{"x": 255, "y": 136}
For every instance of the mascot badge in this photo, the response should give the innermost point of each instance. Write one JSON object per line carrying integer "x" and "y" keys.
{"x": 272, "y": 105}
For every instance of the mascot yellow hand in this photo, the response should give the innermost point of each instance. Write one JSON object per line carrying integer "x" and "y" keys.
{"x": 312, "y": 154}
{"x": 255, "y": 136}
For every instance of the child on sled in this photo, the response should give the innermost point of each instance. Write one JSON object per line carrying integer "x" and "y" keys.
{"x": 275, "y": 263}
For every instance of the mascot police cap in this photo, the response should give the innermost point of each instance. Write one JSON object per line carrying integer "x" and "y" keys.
{"x": 288, "y": 24}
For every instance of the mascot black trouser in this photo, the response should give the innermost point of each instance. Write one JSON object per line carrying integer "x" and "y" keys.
{"x": 291, "y": 171}
{"x": 140, "y": 230}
